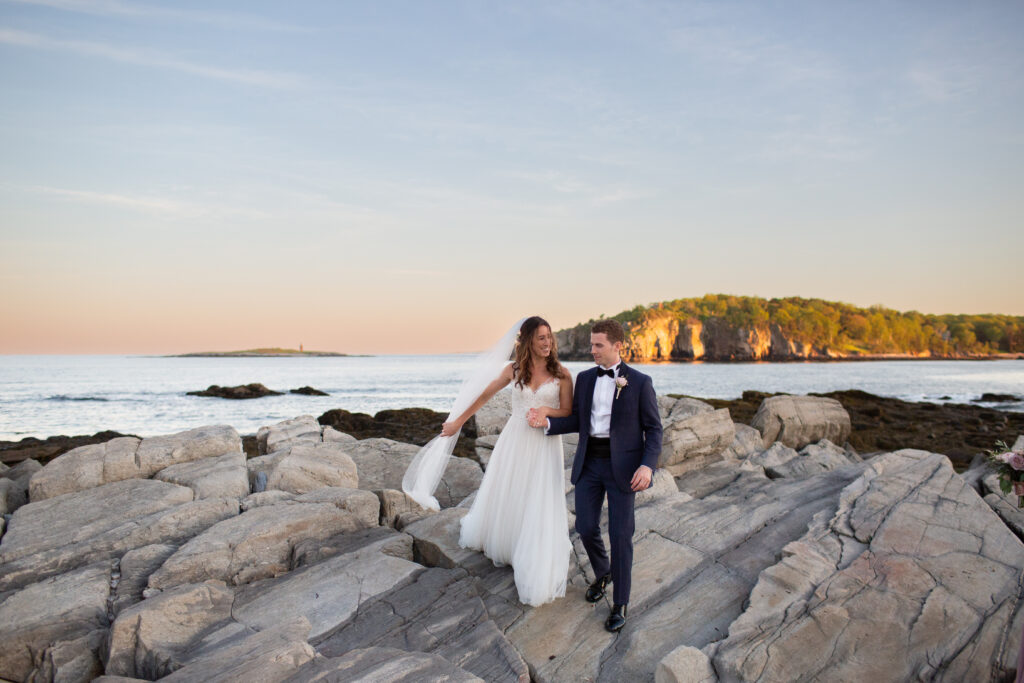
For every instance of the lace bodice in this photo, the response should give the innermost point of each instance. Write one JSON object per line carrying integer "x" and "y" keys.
{"x": 526, "y": 398}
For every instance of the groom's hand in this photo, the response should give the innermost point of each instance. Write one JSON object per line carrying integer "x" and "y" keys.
{"x": 534, "y": 418}
{"x": 641, "y": 478}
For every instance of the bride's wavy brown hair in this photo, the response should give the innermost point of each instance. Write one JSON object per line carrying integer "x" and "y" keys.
{"x": 522, "y": 369}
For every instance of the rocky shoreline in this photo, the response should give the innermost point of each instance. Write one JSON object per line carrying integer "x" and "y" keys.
{"x": 958, "y": 430}
{"x": 768, "y": 548}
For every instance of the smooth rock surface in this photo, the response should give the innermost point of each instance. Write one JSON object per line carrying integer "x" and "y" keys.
{"x": 714, "y": 477}
{"x": 151, "y": 639}
{"x": 381, "y": 665}
{"x": 329, "y": 434}
{"x": 777, "y": 455}
{"x": 381, "y": 464}
{"x": 685, "y": 664}
{"x": 70, "y": 661}
{"x": 263, "y": 657}
{"x": 440, "y": 613}
{"x": 363, "y": 505}
{"x": 223, "y": 476}
{"x": 746, "y": 443}
{"x": 484, "y": 448}
{"x": 397, "y": 509}
{"x": 263, "y": 464}
{"x": 135, "y": 567}
{"x": 75, "y": 529}
{"x": 254, "y": 545}
{"x": 61, "y": 608}
{"x": 911, "y": 578}
{"x": 693, "y": 442}
{"x": 306, "y": 467}
{"x": 303, "y": 429}
{"x": 800, "y": 420}
{"x": 662, "y": 484}
{"x": 12, "y": 496}
{"x": 158, "y": 452}
{"x": 87, "y": 467}
{"x": 685, "y": 407}
{"x": 812, "y": 459}
{"x": 255, "y": 500}
{"x": 329, "y": 592}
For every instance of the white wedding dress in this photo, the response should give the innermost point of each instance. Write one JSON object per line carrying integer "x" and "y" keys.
{"x": 518, "y": 516}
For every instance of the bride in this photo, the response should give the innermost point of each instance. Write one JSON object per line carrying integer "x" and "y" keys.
{"x": 518, "y": 516}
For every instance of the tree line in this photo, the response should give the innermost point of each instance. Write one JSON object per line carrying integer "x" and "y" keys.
{"x": 847, "y": 328}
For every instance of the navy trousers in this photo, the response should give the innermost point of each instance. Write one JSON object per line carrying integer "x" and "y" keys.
{"x": 594, "y": 483}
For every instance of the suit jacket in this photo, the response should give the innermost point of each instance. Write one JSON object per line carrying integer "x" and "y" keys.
{"x": 635, "y": 432}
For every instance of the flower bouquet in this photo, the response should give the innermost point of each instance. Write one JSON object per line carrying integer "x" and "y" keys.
{"x": 1009, "y": 465}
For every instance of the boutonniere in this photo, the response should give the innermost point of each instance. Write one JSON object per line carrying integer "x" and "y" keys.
{"x": 620, "y": 384}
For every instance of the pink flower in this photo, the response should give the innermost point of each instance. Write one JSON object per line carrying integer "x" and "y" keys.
{"x": 1016, "y": 461}
{"x": 621, "y": 383}
{"x": 1005, "y": 457}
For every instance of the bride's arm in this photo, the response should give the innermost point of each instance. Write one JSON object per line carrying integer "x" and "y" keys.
{"x": 453, "y": 427}
{"x": 564, "y": 408}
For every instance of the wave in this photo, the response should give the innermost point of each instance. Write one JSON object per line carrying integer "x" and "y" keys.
{"x": 64, "y": 397}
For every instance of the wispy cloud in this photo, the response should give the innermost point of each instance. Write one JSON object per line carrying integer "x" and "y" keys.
{"x": 158, "y": 205}
{"x": 940, "y": 84}
{"x": 736, "y": 49}
{"x": 114, "y": 8}
{"x": 565, "y": 183}
{"x": 254, "y": 77}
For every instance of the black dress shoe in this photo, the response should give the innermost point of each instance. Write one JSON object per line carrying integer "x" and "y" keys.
{"x": 596, "y": 590}
{"x": 617, "y": 619}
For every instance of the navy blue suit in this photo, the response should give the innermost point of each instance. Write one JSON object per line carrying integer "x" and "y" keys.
{"x": 635, "y": 439}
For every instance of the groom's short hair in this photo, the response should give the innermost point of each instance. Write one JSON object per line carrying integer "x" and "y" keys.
{"x": 611, "y": 329}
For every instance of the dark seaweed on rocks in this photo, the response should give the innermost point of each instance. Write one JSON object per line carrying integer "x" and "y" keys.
{"x": 408, "y": 425}
{"x": 242, "y": 391}
{"x": 45, "y": 450}
{"x": 957, "y": 430}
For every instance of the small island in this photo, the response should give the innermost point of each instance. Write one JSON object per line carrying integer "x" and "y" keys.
{"x": 255, "y": 353}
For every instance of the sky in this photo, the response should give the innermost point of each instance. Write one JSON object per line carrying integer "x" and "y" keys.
{"x": 413, "y": 177}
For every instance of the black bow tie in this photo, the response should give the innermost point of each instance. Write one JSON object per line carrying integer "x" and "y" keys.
{"x": 601, "y": 372}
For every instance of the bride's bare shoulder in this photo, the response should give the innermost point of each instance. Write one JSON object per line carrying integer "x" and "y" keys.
{"x": 509, "y": 371}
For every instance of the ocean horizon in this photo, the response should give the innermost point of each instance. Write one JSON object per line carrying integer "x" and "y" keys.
{"x": 49, "y": 395}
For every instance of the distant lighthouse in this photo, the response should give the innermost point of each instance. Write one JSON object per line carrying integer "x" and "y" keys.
{"x": 300, "y": 347}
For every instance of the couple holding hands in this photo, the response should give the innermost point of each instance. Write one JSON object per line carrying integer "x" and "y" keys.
{"x": 519, "y": 514}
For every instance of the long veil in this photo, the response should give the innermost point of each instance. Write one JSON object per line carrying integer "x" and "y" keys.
{"x": 425, "y": 470}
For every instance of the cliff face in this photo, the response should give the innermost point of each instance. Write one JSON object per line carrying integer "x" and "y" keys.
{"x": 668, "y": 339}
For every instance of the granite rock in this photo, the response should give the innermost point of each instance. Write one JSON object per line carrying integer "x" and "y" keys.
{"x": 306, "y": 467}
{"x": 693, "y": 442}
{"x": 912, "y": 577}
{"x": 223, "y": 476}
{"x": 381, "y": 464}
{"x": 381, "y": 665}
{"x": 58, "y": 534}
{"x": 303, "y": 429}
{"x": 150, "y": 639}
{"x": 800, "y": 420}
{"x": 58, "y": 609}
{"x": 254, "y": 545}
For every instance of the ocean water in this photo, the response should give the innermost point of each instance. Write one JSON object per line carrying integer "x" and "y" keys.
{"x": 43, "y": 396}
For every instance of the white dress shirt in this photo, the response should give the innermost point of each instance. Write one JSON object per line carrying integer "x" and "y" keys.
{"x": 601, "y": 406}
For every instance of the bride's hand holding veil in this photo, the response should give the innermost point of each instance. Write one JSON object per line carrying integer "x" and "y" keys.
{"x": 487, "y": 375}
{"x": 453, "y": 427}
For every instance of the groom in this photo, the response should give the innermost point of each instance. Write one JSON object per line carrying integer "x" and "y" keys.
{"x": 615, "y": 411}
